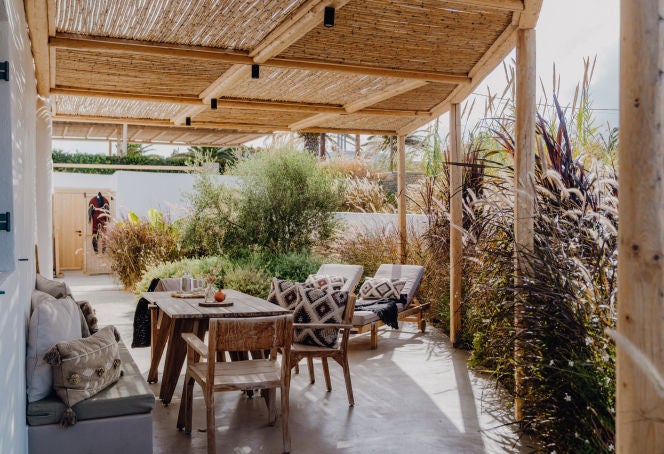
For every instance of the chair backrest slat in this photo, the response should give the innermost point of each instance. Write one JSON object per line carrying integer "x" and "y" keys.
{"x": 256, "y": 333}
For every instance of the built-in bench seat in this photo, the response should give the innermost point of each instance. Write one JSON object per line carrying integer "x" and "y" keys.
{"x": 118, "y": 419}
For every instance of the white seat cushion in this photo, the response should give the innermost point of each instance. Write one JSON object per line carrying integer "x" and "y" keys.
{"x": 52, "y": 321}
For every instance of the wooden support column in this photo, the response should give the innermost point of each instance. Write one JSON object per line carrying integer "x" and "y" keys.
{"x": 456, "y": 221}
{"x": 524, "y": 174}
{"x": 358, "y": 151}
{"x": 640, "y": 410}
{"x": 125, "y": 133}
{"x": 401, "y": 192}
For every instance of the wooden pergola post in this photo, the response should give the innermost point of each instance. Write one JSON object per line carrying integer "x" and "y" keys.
{"x": 456, "y": 221}
{"x": 401, "y": 192}
{"x": 640, "y": 410}
{"x": 524, "y": 175}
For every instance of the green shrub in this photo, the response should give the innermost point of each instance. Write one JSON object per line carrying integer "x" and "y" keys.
{"x": 286, "y": 202}
{"x": 248, "y": 279}
{"x": 60, "y": 157}
{"x": 134, "y": 245}
{"x": 295, "y": 266}
{"x": 212, "y": 209}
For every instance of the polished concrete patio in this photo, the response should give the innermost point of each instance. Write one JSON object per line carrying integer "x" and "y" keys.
{"x": 414, "y": 394}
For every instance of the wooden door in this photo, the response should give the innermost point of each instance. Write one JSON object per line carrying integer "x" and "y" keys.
{"x": 69, "y": 210}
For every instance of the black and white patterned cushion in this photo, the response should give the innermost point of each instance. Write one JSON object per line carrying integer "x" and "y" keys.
{"x": 284, "y": 293}
{"x": 325, "y": 282}
{"x": 375, "y": 288}
{"x": 319, "y": 306}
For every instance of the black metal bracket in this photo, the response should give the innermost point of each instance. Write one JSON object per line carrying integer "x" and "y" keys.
{"x": 4, "y": 70}
{"x": 5, "y": 221}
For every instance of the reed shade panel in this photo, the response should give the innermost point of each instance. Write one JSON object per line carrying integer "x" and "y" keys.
{"x": 423, "y": 98}
{"x": 279, "y": 84}
{"x": 427, "y": 34}
{"x": 229, "y": 24}
{"x": 376, "y": 122}
{"x": 133, "y": 73}
{"x": 259, "y": 117}
{"x": 113, "y": 107}
{"x": 150, "y": 134}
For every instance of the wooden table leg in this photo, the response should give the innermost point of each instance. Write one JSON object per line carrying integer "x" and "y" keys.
{"x": 175, "y": 354}
{"x": 161, "y": 326}
{"x": 184, "y": 414}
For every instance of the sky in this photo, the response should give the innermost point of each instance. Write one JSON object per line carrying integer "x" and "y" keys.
{"x": 567, "y": 32}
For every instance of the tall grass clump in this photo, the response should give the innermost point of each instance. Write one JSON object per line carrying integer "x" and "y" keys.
{"x": 568, "y": 294}
{"x": 134, "y": 244}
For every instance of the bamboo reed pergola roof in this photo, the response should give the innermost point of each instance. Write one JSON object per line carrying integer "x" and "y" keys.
{"x": 386, "y": 67}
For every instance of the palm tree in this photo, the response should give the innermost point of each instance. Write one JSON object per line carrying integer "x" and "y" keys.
{"x": 225, "y": 156}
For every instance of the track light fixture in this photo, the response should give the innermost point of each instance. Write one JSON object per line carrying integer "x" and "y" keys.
{"x": 213, "y": 103}
{"x": 187, "y": 121}
{"x": 255, "y": 71}
{"x": 328, "y": 19}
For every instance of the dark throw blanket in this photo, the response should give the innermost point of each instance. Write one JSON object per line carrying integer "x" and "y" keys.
{"x": 385, "y": 308}
{"x": 142, "y": 331}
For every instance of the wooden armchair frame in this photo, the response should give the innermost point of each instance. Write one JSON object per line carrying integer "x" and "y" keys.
{"x": 239, "y": 334}
{"x": 338, "y": 353}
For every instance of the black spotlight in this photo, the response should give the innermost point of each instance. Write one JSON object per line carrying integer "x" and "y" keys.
{"x": 213, "y": 103}
{"x": 187, "y": 121}
{"x": 328, "y": 19}
{"x": 255, "y": 71}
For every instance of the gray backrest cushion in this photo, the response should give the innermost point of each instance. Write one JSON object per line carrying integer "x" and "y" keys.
{"x": 412, "y": 273}
{"x": 171, "y": 284}
{"x": 56, "y": 289}
{"x": 352, "y": 273}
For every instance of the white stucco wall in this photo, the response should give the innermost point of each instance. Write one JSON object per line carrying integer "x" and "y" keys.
{"x": 140, "y": 191}
{"x": 18, "y": 282}
{"x": 378, "y": 221}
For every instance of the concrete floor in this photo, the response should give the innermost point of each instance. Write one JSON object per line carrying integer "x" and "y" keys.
{"x": 414, "y": 394}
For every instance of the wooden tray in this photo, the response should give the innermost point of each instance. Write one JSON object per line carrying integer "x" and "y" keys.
{"x": 216, "y": 304}
{"x": 188, "y": 294}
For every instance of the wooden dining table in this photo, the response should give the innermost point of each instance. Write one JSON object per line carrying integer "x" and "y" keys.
{"x": 172, "y": 316}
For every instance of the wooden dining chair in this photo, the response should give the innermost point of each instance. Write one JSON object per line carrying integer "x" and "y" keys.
{"x": 239, "y": 334}
{"x": 339, "y": 352}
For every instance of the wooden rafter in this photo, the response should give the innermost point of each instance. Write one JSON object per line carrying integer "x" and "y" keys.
{"x": 102, "y": 44}
{"x": 237, "y": 103}
{"x": 501, "y": 5}
{"x": 357, "y": 106}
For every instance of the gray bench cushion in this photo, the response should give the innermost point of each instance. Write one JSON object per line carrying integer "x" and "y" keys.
{"x": 130, "y": 395}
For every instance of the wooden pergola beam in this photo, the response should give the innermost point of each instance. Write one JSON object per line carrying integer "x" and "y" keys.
{"x": 456, "y": 220}
{"x": 36, "y": 12}
{"x": 525, "y": 196}
{"x": 401, "y": 199}
{"x": 102, "y": 44}
{"x": 299, "y": 24}
{"x": 238, "y": 103}
{"x": 640, "y": 306}
{"x": 500, "y": 5}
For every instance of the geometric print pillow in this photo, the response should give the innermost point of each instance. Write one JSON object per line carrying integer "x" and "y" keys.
{"x": 325, "y": 282}
{"x": 284, "y": 293}
{"x": 83, "y": 367}
{"x": 319, "y": 306}
{"x": 381, "y": 287}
